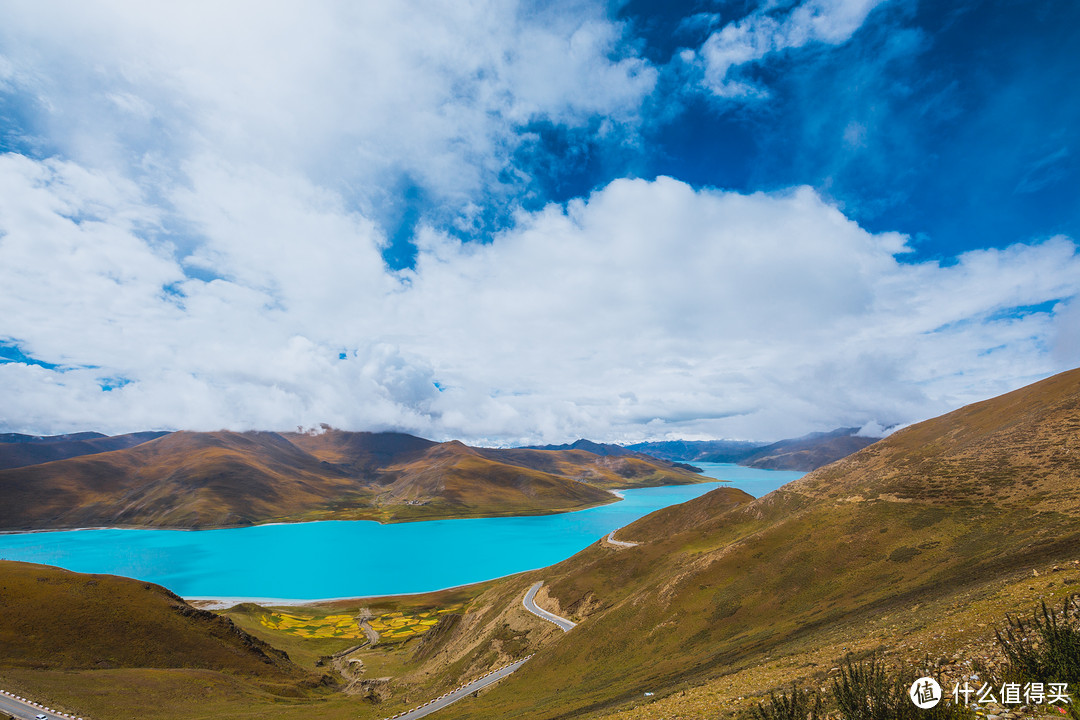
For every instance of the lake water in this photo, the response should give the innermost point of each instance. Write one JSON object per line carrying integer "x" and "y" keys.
{"x": 305, "y": 561}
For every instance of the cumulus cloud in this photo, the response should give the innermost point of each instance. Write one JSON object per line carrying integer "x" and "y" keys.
{"x": 355, "y": 96}
{"x": 770, "y": 30}
{"x": 648, "y": 309}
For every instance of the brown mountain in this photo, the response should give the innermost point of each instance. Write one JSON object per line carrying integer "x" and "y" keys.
{"x": 21, "y": 450}
{"x": 934, "y": 514}
{"x": 188, "y": 479}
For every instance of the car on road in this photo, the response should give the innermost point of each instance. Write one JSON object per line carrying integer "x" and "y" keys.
{"x": 39, "y": 716}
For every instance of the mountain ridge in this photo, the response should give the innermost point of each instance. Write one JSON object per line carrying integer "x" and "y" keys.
{"x": 222, "y": 479}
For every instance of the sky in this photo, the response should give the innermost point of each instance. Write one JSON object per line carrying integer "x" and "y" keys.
{"x": 514, "y": 222}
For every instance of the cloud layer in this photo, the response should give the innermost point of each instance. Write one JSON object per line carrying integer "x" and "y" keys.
{"x": 361, "y": 97}
{"x": 650, "y": 308}
{"x": 196, "y": 206}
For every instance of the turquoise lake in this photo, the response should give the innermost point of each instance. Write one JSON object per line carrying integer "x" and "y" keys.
{"x": 306, "y": 561}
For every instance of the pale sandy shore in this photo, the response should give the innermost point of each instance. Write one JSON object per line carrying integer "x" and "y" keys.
{"x": 223, "y": 603}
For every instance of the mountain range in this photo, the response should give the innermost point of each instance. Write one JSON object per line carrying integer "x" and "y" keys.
{"x": 221, "y": 479}
{"x": 805, "y": 453}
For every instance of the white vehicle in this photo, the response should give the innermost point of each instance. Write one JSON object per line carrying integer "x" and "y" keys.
{"x": 39, "y": 716}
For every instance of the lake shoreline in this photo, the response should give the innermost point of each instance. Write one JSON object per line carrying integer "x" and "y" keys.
{"x": 313, "y": 561}
{"x": 616, "y": 493}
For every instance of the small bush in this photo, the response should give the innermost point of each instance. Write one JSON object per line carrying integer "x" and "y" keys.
{"x": 864, "y": 691}
{"x": 796, "y": 705}
{"x": 868, "y": 691}
{"x": 1047, "y": 648}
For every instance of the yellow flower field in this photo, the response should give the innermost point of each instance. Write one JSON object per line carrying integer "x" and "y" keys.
{"x": 328, "y": 626}
{"x": 391, "y": 626}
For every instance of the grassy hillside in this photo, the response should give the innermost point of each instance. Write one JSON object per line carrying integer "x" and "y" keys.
{"x": 69, "y": 638}
{"x": 220, "y": 479}
{"x": 721, "y": 584}
{"x": 55, "y": 619}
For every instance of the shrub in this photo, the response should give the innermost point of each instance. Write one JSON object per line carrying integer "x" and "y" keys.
{"x": 865, "y": 692}
{"x": 868, "y": 691}
{"x": 796, "y": 705}
{"x": 1047, "y": 648}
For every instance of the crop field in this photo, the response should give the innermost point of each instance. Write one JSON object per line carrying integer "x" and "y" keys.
{"x": 399, "y": 626}
{"x": 394, "y": 626}
{"x": 325, "y": 626}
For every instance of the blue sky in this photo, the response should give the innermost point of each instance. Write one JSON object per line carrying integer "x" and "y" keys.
{"x": 519, "y": 222}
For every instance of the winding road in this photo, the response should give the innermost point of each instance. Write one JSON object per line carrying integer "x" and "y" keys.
{"x": 454, "y": 695}
{"x": 620, "y": 543}
{"x": 496, "y": 675}
{"x": 26, "y": 709}
{"x": 530, "y": 604}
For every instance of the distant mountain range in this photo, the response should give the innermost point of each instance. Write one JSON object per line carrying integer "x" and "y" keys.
{"x": 806, "y": 453}
{"x": 610, "y": 450}
{"x": 724, "y": 451}
{"x": 220, "y": 479}
{"x": 189, "y": 479}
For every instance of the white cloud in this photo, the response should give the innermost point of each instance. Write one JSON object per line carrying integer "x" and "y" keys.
{"x": 766, "y": 31}
{"x": 354, "y": 96}
{"x": 648, "y": 309}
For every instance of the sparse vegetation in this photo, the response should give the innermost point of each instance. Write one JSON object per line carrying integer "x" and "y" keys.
{"x": 794, "y": 705}
{"x": 865, "y": 690}
{"x": 1046, "y": 648}
{"x": 869, "y": 690}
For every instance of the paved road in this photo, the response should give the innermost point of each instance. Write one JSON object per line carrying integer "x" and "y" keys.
{"x": 455, "y": 695}
{"x": 530, "y": 604}
{"x": 362, "y": 621}
{"x": 611, "y": 539}
{"x": 439, "y": 703}
{"x": 24, "y": 710}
